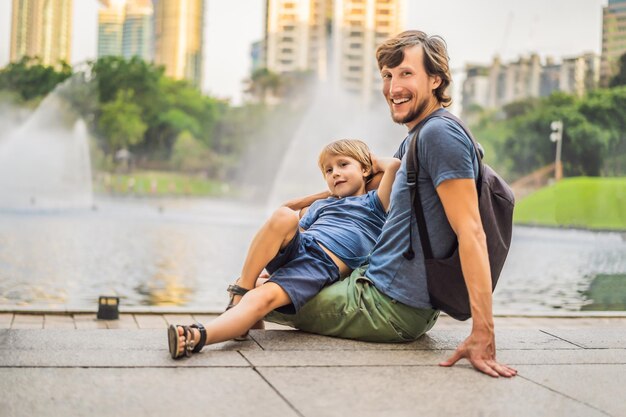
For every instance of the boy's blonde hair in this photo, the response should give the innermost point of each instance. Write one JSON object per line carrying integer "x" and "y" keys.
{"x": 354, "y": 148}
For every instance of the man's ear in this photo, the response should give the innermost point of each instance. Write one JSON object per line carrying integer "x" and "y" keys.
{"x": 435, "y": 82}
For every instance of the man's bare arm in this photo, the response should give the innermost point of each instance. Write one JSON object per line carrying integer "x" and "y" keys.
{"x": 302, "y": 202}
{"x": 460, "y": 202}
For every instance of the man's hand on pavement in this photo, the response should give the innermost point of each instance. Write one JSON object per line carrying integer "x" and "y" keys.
{"x": 481, "y": 352}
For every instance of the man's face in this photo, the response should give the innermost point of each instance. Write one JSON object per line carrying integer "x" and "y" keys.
{"x": 408, "y": 89}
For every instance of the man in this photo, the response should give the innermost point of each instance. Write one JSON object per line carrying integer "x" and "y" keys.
{"x": 388, "y": 301}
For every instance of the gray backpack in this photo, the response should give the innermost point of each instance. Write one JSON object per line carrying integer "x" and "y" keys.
{"x": 446, "y": 285}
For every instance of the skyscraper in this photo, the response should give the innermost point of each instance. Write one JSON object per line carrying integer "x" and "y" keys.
{"x": 336, "y": 37}
{"x": 613, "y": 38}
{"x": 110, "y": 27}
{"x": 296, "y": 35}
{"x": 125, "y": 29}
{"x": 178, "y": 30}
{"x": 42, "y": 28}
{"x": 137, "y": 32}
{"x": 359, "y": 26}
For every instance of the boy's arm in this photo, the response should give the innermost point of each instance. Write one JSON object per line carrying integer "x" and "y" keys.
{"x": 389, "y": 167}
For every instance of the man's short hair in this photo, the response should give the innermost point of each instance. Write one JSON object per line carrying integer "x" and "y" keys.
{"x": 354, "y": 148}
{"x": 391, "y": 54}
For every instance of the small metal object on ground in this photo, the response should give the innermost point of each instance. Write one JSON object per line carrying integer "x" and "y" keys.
{"x": 108, "y": 308}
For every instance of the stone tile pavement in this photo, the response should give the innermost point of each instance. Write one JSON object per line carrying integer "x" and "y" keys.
{"x": 66, "y": 365}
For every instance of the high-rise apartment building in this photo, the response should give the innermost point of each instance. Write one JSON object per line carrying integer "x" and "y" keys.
{"x": 42, "y": 28}
{"x": 110, "y": 27}
{"x": 516, "y": 80}
{"x": 137, "y": 39}
{"x": 178, "y": 30}
{"x": 476, "y": 87}
{"x": 296, "y": 35}
{"x": 580, "y": 74}
{"x": 359, "y": 26}
{"x": 125, "y": 29}
{"x": 613, "y": 38}
{"x": 502, "y": 83}
{"x": 336, "y": 39}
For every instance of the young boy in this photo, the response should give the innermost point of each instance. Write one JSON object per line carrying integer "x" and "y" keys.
{"x": 334, "y": 236}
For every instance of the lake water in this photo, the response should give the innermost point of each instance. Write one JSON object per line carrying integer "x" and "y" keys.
{"x": 186, "y": 252}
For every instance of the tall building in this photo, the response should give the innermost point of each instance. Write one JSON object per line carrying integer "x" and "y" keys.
{"x": 335, "y": 39}
{"x": 257, "y": 51}
{"x": 110, "y": 27}
{"x": 359, "y": 26}
{"x": 42, "y": 28}
{"x": 125, "y": 28}
{"x": 613, "y": 38}
{"x": 550, "y": 77}
{"x": 502, "y": 83}
{"x": 514, "y": 81}
{"x": 137, "y": 32}
{"x": 296, "y": 35}
{"x": 178, "y": 30}
{"x": 475, "y": 89}
{"x": 580, "y": 74}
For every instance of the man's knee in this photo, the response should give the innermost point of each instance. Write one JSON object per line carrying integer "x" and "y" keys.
{"x": 284, "y": 220}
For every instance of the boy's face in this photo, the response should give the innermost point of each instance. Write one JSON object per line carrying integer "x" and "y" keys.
{"x": 344, "y": 175}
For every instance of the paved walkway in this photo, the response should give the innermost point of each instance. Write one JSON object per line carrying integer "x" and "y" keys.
{"x": 66, "y": 365}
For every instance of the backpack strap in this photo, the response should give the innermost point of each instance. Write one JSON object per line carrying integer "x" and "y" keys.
{"x": 412, "y": 170}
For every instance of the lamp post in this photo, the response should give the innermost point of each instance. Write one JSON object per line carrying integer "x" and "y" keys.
{"x": 557, "y": 136}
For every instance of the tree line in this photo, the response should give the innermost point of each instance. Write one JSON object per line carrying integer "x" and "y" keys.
{"x": 169, "y": 124}
{"x": 130, "y": 104}
{"x": 517, "y": 136}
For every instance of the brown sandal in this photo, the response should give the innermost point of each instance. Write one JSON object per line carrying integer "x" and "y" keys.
{"x": 237, "y": 290}
{"x": 234, "y": 290}
{"x": 188, "y": 348}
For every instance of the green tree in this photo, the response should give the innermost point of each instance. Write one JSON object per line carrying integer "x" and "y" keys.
{"x": 620, "y": 77}
{"x": 120, "y": 122}
{"x": 584, "y": 144}
{"x": 520, "y": 107}
{"x": 606, "y": 108}
{"x": 491, "y": 131}
{"x": 183, "y": 107}
{"x": 168, "y": 107}
{"x": 264, "y": 84}
{"x": 32, "y": 80}
{"x": 191, "y": 155}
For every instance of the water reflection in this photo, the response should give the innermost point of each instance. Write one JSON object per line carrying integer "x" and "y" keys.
{"x": 171, "y": 283}
{"x": 606, "y": 292}
{"x": 146, "y": 252}
{"x": 186, "y": 252}
{"x": 551, "y": 269}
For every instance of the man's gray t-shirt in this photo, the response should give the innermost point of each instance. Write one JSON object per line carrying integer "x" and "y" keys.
{"x": 445, "y": 152}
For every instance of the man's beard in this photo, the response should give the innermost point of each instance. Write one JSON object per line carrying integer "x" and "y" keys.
{"x": 412, "y": 115}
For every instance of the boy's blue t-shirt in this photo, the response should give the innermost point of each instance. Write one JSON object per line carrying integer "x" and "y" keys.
{"x": 348, "y": 226}
{"x": 445, "y": 152}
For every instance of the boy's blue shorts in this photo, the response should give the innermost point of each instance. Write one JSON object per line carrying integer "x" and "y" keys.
{"x": 302, "y": 269}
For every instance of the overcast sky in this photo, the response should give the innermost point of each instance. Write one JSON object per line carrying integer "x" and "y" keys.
{"x": 475, "y": 31}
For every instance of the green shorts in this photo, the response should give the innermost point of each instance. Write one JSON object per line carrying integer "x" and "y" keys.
{"x": 354, "y": 309}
